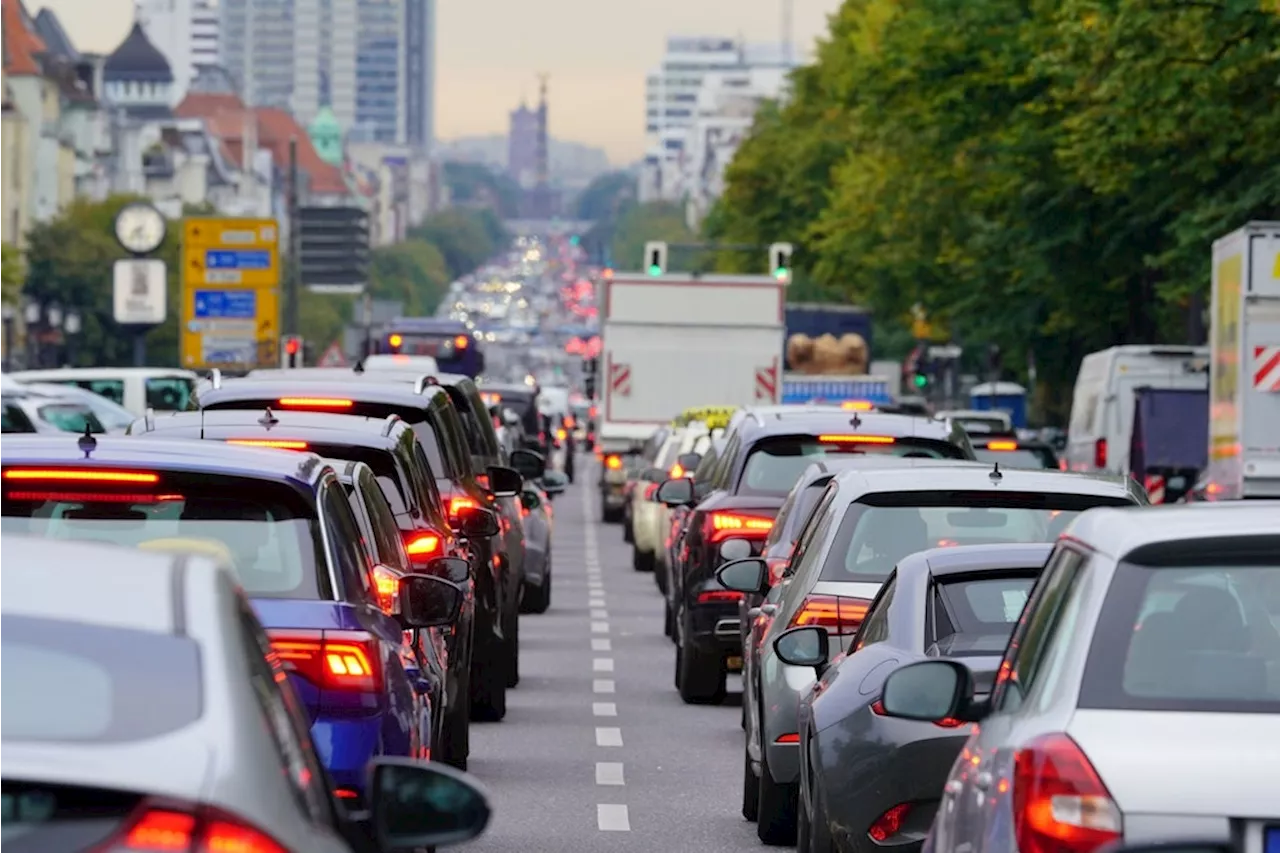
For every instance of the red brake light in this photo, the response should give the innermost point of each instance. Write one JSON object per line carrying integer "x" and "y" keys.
{"x": 482, "y": 480}
{"x": 422, "y": 545}
{"x": 677, "y": 471}
{"x": 889, "y": 824}
{"x": 80, "y": 475}
{"x": 278, "y": 443}
{"x": 1059, "y": 803}
{"x": 315, "y": 403}
{"x": 877, "y": 708}
{"x": 856, "y": 439}
{"x": 91, "y": 497}
{"x": 387, "y": 585}
{"x": 163, "y": 829}
{"x": 838, "y": 614}
{"x": 457, "y": 504}
{"x": 719, "y": 596}
{"x": 794, "y": 737}
{"x": 461, "y": 341}
{"x": 1100, "y": 453}
{"x": 1002, "y": 445}
{"x": 726, "y": 524}
{"x": 332, "y": 660}
{"x": 650, "y": 490}
{"x": 613, "y": 463}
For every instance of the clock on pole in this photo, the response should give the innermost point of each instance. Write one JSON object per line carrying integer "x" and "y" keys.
{"x": 140, "y": 228}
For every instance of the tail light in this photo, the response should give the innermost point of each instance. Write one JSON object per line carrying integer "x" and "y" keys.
{"x": 561, "y": 435}
{"x": 423, "y": 545}
{"x": 1062, "y": 465}
{"x": 91, "y": 497}
{"x": 276, "y": 443}
{"x": 613, "y": 463}
{"x": 856, "y": 439}
{"x": 839, "y": 614}
{"x": 387, "y": 585}
{"x": 677, "y": 471}
{"x": 1100, "y": 453}
{"x": 168, "y": 827}
{"x": 542, "y": 438}
{"x": 889, "y": 824}
{"x": 458, "y": 504}
{"x": 877, "y": 708}
{"x": 650, "y": 490}
{"x": 722, "y": 525}
{"x": 482, "y": 480}
{"x": 345, "y": 661}
{"x": 1002, "y": 445}
{"x": 80, "y": 476}
{"x": 1059, "y": 803}
{"x": 315, "y": 403}
{"x": 719, "y": 596}
{"x": 777, "y": 565}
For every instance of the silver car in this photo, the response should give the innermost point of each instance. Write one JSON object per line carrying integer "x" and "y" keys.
{"x": 867, "y": 519}
{"x": 140, "y": 691}
{"x": 1139, "y": 697}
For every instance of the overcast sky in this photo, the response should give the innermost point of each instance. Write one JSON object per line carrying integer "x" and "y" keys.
{"x": 491, "y": 51}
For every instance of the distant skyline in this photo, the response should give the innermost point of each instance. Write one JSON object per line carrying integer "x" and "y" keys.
{"x": 596, "y": 52}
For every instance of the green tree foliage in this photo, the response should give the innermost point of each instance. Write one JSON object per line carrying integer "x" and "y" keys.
{"x": 603, "y": 196}
{"x": 412, "y": 272}
{"x": 474, "y": 184}
{"x": 644, "y": 222}
{"x": 1045, "y": 174}
{"x": 465, "y": 237}
{"x": 13, "y": 267}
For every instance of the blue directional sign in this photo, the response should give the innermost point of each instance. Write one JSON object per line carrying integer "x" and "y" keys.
{"x": 237, "y": 259}
{"x": 226, "y": 304}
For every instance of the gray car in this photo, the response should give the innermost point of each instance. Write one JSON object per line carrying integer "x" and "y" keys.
{"x": 866, "y": 520}
{"x": 536, "y": 515}
{"x": 143, "y": 688}
{"x": 1139, "y": 696}
{"x": 862, "y": 772}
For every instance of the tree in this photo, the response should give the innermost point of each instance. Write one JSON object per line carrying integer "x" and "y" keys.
{"x": 475, "y": 184}
{"x": 412, "y": 272}
{"x": 465, "y": 237}
{"x": 603, "y": 196}
{"x": 14, "y": 270}
{"x": 643, "y": 223}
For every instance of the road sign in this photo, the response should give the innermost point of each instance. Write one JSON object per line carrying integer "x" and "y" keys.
{"x": 139, "y": 292}
{"x": 230, "y": 293}
{"x": 333, "y": 357}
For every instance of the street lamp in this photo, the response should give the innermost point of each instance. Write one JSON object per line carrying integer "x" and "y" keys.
{"x": 71, "y": 325}
{"x": 31, "y": 313}
{"x": 55, "y": 316}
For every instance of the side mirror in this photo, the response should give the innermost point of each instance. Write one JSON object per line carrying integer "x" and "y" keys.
{"x": 528, "y": 464}
{"x": 749, "y": 576}
{"x": 427, "y": 601}
{"x": 930, "y": 691}
{"x": 504, "y": 482}
{"x": 530, "y": 500}
{"x": 554, "y": 482}
{"x": 807, "y": 645}
{"x": 453, "y": 569}
{"x": 676, "y": 492}
{"x": 476, "y": 522}
{"x": 735, "y": 549}
{"x": 413, "y": 804}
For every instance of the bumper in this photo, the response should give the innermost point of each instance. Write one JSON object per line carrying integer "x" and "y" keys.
{"x": 346, "y": 747}
{"x": 781, "y": 688}
{"x": 715, "y": 627}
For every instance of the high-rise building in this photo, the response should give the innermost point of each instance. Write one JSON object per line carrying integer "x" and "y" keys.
{"x": 522, "y": 146}
{"x": 370, "y": 61}
{"x": 186, "y": 32}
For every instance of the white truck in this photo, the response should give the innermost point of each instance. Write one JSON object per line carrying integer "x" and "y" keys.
{"x": 676, "y": 341}
{"x": 1244, "y": 372}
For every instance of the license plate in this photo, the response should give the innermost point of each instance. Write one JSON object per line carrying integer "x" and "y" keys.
{"x": 1272, "y": 842}
{"x": 734, "y": 664}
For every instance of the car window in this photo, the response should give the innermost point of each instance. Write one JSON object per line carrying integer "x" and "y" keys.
{"x": 387, "y": 536}
{"x": 344, "y": 544}
{"x": 1036, "y": 627}
{"x": 433, "y": 503}
{"x": 1023, "y": 457}
{"x": 15, "y": 420}
{"x": 112, "y": 389}
{"x": 978, "y": 606}
{"x": 775, "y": 464}
{"x": 70, "y": 417}
{"x": 430, "y": 444}
{"x": 807, "y": 551}
{"x": 875, "y": 628}
{"x": 170, "y": 393}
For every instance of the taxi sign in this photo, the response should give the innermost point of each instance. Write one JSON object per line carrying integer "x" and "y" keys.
{"x": 715, "y": 417}
{"x": 230, "y": 292}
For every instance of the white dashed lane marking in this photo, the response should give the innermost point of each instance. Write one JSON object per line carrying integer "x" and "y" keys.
{"x": 603, "y": 685}
{"x": 602, "y": 664}
{"x": 604, "y": 709}
{"x": 608, "y": 736}
{"x": 612, "y": 818}
{"x": 609, "y": 773}
{"x": 601, "y": 644}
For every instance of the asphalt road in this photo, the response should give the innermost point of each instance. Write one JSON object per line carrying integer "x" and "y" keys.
{"x": 597, "y": 751}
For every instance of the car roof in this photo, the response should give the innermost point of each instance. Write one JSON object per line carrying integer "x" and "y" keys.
{"x": 963, "y": 475}
{"x": 350, "y": 386}
{"x": 1118, "y": 531}
{"x": 968, "y": 558}
{"x": 57, "y": 373}
{"x": 803, "y": 419}
{"x": 89, "y": 582}
{"x": 315, "y": 426}
{"x": 163, "y": 454}
{"x": 346, "y": 469}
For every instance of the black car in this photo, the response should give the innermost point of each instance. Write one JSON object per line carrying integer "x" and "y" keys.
{"x": 763, "y": 458}
{"x": 1011, "y": 451}
{"x": 399, "y": 465}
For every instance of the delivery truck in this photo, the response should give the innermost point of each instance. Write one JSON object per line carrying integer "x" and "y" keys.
{"x": 1244, "y": 370}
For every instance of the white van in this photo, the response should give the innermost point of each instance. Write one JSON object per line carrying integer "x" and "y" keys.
{"x": 136, "y": 388}
{"x": 1103, "y": 403}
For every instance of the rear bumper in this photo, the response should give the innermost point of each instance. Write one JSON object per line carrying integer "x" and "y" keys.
{"x": 346, "y": 746}
{"x": 715, "y": 627}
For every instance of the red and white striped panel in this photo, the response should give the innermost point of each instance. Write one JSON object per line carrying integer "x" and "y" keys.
{"x": 620, "y": 379}
{"x": 767, "y": 382}
{"x": 1155, "y": 488}
{"x": 1266, "y": 368}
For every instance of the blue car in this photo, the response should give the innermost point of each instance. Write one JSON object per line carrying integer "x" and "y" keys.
{"x": 282, "y": 520}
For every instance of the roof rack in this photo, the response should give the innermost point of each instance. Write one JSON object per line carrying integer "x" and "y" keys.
{"x": 390, "y": 424}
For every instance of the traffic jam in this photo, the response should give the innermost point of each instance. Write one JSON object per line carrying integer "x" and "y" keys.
{"x": 312, "y": 609}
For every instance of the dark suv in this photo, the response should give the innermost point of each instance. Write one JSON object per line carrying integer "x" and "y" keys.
{"x": 763, "y": 457}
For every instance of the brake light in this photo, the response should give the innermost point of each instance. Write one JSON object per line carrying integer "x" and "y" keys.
{"x": 422, "y": 545}
{"x": 877, "y": 708}
{"x": 159, "y": 830}
{"x": 91, "y": 497}
{"x": 677, "y": 471}
{"x": 856, "y": 439}
{"x": 856, "y": 406}
{"x": 561, "y": 434}
{"x": 1059, "y": 803}
{"x": 278, "y": 443}
{"x": 839, "y": 614}
{"x": 726, "y": 524}
{"x": 794, "y": 737}
{"x": 315, "y": 403}
{"x": 456, "y": 505}
{"x": 613, "y": 463}
{"x": 570, "y": 423}
{"x": 461, "y": 341}
{"x": 387, "y": 585}
{"x": 593, "y": 411}
{"x": 331, "y": 660}
{"x": 650, "y": 490}
{"x": 80, "y": 475}
{"x": 889, "y": 824}
{"x": 1100, "y": 453}
{"x": 719, "y": 596}
{"x": 1002, "y": 445}
{"x": 482, "y": 480}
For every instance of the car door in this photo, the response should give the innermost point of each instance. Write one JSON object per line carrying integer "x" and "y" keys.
{"x": 967, "y": 815}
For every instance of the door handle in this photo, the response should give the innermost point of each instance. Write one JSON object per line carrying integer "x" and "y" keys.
{"x": 983, "y": 780}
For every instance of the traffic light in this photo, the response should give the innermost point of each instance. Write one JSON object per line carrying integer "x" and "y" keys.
{"x": 655, "y": 257}
{"x": 920, "y": 381}
{"x": 575, "y": 240}
{"x": 291, "y": 351}
{"x": 780, "y": 261}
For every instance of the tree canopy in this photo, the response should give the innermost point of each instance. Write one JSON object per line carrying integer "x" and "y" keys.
{"x": 475, "y": 184}
{"x": 1047, "y": 175}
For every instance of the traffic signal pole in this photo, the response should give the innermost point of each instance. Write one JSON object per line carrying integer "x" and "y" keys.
{"x": 294, "y": 269}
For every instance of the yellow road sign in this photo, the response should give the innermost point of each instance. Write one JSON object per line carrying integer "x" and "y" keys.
{"x": 230, "y": 293}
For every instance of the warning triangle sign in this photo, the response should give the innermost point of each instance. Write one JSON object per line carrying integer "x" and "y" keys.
{"x": 333, "y": 357}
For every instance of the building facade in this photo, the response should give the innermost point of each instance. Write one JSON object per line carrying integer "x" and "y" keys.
{"x": 186, "y": 32}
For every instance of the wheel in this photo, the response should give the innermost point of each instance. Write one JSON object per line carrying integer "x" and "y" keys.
{"x": 701, "y": 677}
{"x": 611, "y": 516}
{"x": 750, "y": 788}
{"x": 628, "y": 532}
{"x": 776, "y": 818}
{"x": 641, "y": 561}
{"x": 513, "y": 651}
{"x": 537, "y": 599}
{"x": 457, "y": 737}
{"x": 668, "y": 621}
{"x": 489, "y": 686}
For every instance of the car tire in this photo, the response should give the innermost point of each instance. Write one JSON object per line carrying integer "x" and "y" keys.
{"x": 512, "y": 644}
{"x": 641, "y": 561}
{"x": 489, "y": 687}
{"x": 611, "y": 516}
{"x": 457, "y": 738}
{"x": 668, "y": 619}
{"x": 537, "y": 599}
{"x": 628, "y": 533}
{"x": 776, "y": 818}
{"x": 750, "y": 788}
{"x": 701, "y": 677}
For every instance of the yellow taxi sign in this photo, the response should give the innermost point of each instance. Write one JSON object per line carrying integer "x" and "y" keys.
{"x": 857, "y": 405}
{"x": 712, "y": 416}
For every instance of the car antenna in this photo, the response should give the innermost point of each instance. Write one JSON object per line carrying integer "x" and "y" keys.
{"x": 87, "y": 443}
{"x": 268, "y": 420}
{"x": 995, "y": 474}
{"x": 358, "y": 367}
{"x": 856, "y": 422}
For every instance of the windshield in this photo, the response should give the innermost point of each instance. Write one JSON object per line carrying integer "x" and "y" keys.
{"x": 873, "y": 539}
{"x": 775, "y": 464}
{"x": 257, "y": 528}
{"x": 1023, "y": 457}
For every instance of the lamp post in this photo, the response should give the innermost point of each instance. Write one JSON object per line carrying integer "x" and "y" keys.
{"x": 71, "y": 330}
{"x": 9, "y": 314}
{"x": 31, "y": 315}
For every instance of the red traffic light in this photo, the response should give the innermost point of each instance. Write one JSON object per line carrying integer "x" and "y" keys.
{"x": 292, "y": 345}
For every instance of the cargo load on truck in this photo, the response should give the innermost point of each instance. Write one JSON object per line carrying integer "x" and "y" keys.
{"x": 828, "y": 352}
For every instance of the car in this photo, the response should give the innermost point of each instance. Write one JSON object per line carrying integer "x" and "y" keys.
{"x": 27, "y": 411}
{"x": 1148, "y": 628}
{"x": 764, "y": 456}
{"x": 703, "y": 476}
{"x": 163, "y": 389}
{"x": 1013, "y": 452}
{"x": 859, "y": 767}
{"x": 868, "y": 519}
{"x": 113, "y": 417}
{"x": 282, "y": 521}
{"x": 390, "y": 448}
{"x": 147, "y": 670}
{"x": 535, "y": 510}
{"x": 634, "y": 471}
{"x": 678, "y": 457}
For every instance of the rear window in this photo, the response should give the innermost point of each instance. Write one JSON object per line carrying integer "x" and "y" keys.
{"x": 979, "y": 606}
{"x": 881, "y": 529}
{"x": 398, "y": 492}
{"x": 775, "y": 464}
{"x": 1188, "y": 638}
{"x": 265, "y": 531}
{"x": 70, "y": 417}
{"x": 513, "y": 400}
{"x": 170, "y": 393}
{"x": 67, "y": 682}
{"x": 1023, "y": 457}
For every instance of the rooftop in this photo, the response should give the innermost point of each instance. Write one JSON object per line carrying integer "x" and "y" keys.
{"x": 22, "y": 46}
{"x": 137, "y": 59}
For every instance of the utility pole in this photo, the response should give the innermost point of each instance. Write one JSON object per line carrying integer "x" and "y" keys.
{"x": 292, "y": 283}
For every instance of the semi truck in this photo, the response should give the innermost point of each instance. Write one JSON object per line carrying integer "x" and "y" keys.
{"x": 1244, "y": 369}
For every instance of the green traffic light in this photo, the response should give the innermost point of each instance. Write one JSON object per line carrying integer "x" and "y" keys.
{"x": 655, "y": 269}
{"x": 574, "y": 240}
{"x": 921, "y": 380}
{"x": 781, "y": 273}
